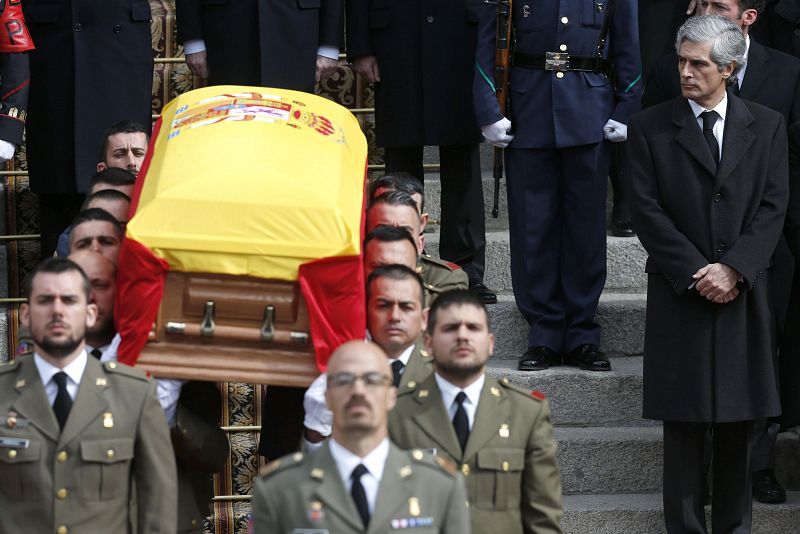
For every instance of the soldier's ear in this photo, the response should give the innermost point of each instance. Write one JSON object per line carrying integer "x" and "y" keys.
{"x": 101, "y": 166}
{"x": 25, "y": 315}
{"x": 427, "y": 340}
{"x": 391, "y": 398}
{"x": 420, "y": 243}
{"x": 491, "y": 344}
{"x": 425, "y": 318}
{"x": 91, "y": 315}
{"x": 423, "y": 221}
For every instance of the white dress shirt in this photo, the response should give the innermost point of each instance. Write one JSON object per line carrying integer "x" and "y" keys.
{"x": 743, "y": 68}
{"x": 374, "y": 461}
{"x": 109, "y": 352}
{"x": 449, "y": 392}
{"x": 719, "y": 127}
{"x": 74, "y": 373}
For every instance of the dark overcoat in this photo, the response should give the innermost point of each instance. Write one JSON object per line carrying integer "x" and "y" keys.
{"x": 426, "y": 57}
{"x": 707, "y": 362}
{"x": 92, "y": 67}
{"x": 271, "y": 43}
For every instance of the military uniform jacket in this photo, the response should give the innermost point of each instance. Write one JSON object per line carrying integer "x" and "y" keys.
{"x": 549, "y": 110}
{"x": 439, "y": 276}
{"x": 510, "y": 465}
{"x": 81, "y": 478}
{"x": 307, "y": 493}
{"x": 418, "y": 368}
{"x": 93, "y": 67}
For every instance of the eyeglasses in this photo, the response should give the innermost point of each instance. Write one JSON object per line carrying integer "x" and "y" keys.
{"x": 348, "y": 380}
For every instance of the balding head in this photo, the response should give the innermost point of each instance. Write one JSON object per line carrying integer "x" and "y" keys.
{"x": 360, "y": 392}
{"x": 102, "y": 282}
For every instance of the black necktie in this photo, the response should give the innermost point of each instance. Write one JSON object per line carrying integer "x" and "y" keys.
{"x": 397, "y": 372}
{"x": 358, "y": 493}
{"x": 709, "y": 120}
{"x": 97, "y": 353}
{"x": 63, "y": 402}
{"x": 461, "y": 422}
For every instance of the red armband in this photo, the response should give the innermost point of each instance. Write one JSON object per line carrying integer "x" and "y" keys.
{"x": 14, "y": 35}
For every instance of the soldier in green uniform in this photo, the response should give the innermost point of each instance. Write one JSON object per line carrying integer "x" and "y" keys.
{"x": 358, "y": 481}
{"x": 397, "y": 208}
{"x": 395, "y": 319}
{"x": 76, "y": 435}
{"x": 499, "y": 435}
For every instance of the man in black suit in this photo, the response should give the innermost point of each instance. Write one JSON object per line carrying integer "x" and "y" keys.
{"x": 770, "y": 78}
{"x": 710, "y": 177}
{"x": 271, "y": 43}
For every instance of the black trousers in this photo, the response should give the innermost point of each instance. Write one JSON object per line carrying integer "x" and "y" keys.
{"x": 463, "y": 231}
{"x": 685, "y": 479}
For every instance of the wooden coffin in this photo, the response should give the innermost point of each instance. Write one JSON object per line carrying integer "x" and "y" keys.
{"x": 231, "y": 328}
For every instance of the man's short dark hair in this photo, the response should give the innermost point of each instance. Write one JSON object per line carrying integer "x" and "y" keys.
{"x": 397, "y": 272}
{"x": 55, "y": 265}
{"x": 389, "y": 234}
{"x": 105, "y": 194}
{"x": 399, "y": 181}
{"x": 113, "y": 176}
{"x": 123, "y": 126}
{"x": 95, "y": 214}
{"x": 457, "y": 297}
{"x": 758, "y": 5}
{"x": 394, "y": 198}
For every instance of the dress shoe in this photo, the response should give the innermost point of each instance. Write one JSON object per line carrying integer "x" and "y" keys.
{"x": 487, "y": 295}
{"x": 587, "y": 357}
{"x": 622, "y": 229}
{"x": 766, "y": 488}
{"x": 538, "y": 359}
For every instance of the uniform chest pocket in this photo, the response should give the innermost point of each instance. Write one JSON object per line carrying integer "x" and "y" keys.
{"x": 499, "y": 478}
{"x": 20, "y": 471}
{"x": 593, "y": 12}
{"x": 105, "y": 472}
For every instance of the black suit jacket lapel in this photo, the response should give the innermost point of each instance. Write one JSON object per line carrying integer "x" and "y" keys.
{"x": 690, "y": 136}
{"x": 736, "y": 140}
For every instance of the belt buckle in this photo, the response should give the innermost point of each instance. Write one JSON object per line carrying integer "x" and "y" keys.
{"x": 556, "y": 61}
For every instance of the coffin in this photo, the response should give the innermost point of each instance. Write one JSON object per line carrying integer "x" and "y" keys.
{"x": 242, "y": 255}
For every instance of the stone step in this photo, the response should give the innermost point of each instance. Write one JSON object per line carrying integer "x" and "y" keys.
{"x": 610, "y": 459}
{"x": 585, "y": 398}
{"x": 621, "y": 316}
{"x": 642, "y": 513}
{"x": 625, "y": 260}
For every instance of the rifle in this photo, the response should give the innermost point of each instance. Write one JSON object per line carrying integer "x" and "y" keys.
{"x": 502, "y": 61}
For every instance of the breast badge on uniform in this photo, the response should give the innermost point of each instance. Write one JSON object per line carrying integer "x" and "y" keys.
{"x": 411, "y": 522}
{"x": 108, "y": 420}
{"x": 315, "y": 511}
{"x": 13, "y": 420}
{"x": 504, "y": 431}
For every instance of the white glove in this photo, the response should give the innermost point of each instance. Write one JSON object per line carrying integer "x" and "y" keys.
{"x": 317, "y": 415}
{"x": 6, "y": 150}
{"x": 496, "y": 134}
{"x": 168, "y": 392}
{"x": 614, "y": 131}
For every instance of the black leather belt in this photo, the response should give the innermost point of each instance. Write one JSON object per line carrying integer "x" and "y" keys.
{"x": 561, "y": 62}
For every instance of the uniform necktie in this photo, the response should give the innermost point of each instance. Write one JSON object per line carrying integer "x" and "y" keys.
{"x": 397, "y": 372}
{"x": 461, "y": 422}
{"x": 97, "y": 353}
{"x": 63, "y": 402}
{"x": 358, "y": 493}
{"x": 709, "y": 120}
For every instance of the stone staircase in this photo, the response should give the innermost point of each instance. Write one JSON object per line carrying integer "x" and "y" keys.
{"x": 611, "y": 458}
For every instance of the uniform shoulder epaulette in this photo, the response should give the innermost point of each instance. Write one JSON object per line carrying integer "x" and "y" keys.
{"x": 433, "y": 461}
{"x": 441, "y": 263}
{"x": 124, "y": 370}
{"x": 530, "y": 394}
{"x": 281, "y": 464}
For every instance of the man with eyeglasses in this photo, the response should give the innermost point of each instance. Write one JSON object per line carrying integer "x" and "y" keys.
{"x": 359, "y": 481}
{"x": 500, "y": 435}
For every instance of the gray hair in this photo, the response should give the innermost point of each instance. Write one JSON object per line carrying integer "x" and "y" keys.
{"x": 727, "y": 41}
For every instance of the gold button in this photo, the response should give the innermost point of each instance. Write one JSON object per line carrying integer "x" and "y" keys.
{"x": 465, "y": 469}
{"x": 112, "y": 365}
{"x": 417, "y": 454}
{"x": 12, "y": 454}
{"x": 564, "y": 20}
{"x": 62, "y": 493}
{"x": 110, "y": 454}
{"x": 62, "y": 530}
{"x": 194, "y": 522}
{"x": 559, "y": 75}
{"x": 411, "y": 385}
{"x": 563, "y": 48}
{"x": 62, "y": 456}
{"x": 506, "y": 466}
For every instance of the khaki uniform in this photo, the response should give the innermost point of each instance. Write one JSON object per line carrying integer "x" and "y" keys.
{"x": 509, "y": 465}
{"x": 306, "y": 492}
{"x": 79, "y": 480}
{"x": 419, "y": 367}
{"x": 439, "y": 276}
